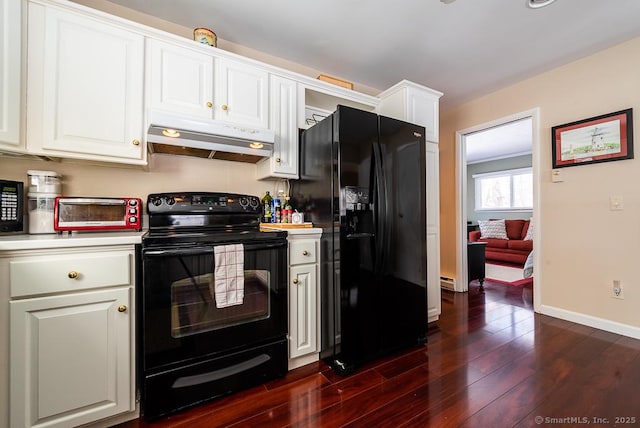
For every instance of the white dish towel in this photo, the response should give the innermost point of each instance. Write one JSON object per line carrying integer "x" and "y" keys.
{"x": 229, "y": 275}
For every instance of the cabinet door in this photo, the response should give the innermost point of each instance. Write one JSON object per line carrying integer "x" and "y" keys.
{"x": 423, "y": 109}
{"x": 10, "y": 19}
{"x": 71, "y": 358}
{"x": 86, "y": 86}
{"x": 180, "y": 79}
{"x": 433, "y": 232}
{"x": 413, "y": 103}
{"x": 283, "y": 117}
{"x": 303, "y": 327}
{"x": 242, "y": 93}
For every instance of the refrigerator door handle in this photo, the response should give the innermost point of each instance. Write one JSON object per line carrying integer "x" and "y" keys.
{"x": 380, "y": 208}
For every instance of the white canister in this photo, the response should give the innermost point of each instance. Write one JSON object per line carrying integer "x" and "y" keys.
{"x": 40, "y": 209}
{"x": 44, "y": 181}
{"x": 297, "y": 218}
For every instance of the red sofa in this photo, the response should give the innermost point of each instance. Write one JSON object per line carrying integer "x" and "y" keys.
{"x": 512, "y": 250}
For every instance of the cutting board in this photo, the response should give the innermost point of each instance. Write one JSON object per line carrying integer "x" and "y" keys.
{"x": 287, "y": 225}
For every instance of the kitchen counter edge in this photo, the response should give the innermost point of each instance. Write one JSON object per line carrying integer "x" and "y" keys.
{"x": 299, "y": 231}
{"x": 73, "y": 240}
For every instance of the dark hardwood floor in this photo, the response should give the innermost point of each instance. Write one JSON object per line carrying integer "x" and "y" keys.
{"x": 489, "y": 362}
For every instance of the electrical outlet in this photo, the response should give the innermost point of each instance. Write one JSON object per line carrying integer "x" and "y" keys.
{"x": 616, "y": 203}
{"x": 616, "y": 291}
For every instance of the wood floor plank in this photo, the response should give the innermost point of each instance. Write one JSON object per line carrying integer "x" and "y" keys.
{"x": 305, "y": 406}
{"x": 590, "y": 377}
{"x": 489, "y": 361}
{"x": 405, "y": 407}
{"x": 515, "y": 404}
{"x": 456, "y": 408}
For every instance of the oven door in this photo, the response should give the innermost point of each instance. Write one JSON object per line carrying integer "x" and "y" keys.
{"x": 182, "y": 318}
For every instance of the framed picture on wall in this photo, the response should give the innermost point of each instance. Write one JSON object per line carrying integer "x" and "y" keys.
{"x": 598, "y": 139}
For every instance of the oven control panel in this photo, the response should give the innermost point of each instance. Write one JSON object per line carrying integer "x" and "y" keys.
{"x": 199, "y": 202}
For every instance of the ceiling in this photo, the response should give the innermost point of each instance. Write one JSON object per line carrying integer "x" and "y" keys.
{"x": 500, "y": 142}
{"x": 464, "y": 49}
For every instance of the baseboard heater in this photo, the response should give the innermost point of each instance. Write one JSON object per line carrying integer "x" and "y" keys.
{"x": 448, "y": 283}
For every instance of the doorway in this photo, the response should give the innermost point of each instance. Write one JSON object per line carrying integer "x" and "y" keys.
{"x": 462, "y": 209}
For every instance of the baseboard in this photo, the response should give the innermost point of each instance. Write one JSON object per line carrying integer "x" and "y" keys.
{"x": 294, "y": 363}
{"x": 448, "y": 283}
{"x": 591, "y": 321}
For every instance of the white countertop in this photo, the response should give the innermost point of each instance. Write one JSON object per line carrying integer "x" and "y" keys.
{"x": 90, "y": 239}
{"x": 65, "y": 240}
{"x": 294, "y": 231}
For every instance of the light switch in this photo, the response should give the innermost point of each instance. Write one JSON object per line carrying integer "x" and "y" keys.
{"x": 615, "y": 203}
{"x": 556, "y": 176}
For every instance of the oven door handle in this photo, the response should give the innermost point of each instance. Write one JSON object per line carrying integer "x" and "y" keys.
{"x": 192, "y": 251}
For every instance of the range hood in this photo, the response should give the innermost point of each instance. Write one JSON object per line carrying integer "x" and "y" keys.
{"x": 176, "y": 134}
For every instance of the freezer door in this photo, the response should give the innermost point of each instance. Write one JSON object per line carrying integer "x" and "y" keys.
{"x": 403, "y": 262}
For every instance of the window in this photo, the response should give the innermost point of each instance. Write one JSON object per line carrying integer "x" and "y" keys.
{"x": 504, "y": 190}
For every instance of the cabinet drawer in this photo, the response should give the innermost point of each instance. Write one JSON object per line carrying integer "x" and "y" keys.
{"x": 55, "y": 274}
{"x": 302, "y": 251}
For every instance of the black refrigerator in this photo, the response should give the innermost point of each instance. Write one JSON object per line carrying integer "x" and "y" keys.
{"x": 362, "y": 180}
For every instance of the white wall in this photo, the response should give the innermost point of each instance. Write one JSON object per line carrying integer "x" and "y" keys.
{"x": 583, "y": 245}
{"x": 166, "y": 173}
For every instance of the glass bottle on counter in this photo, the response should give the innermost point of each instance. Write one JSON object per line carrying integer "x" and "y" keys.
{"x": 288, "y": 211}
{"x": 266, "y": 207}
{"x": 275, "y": 210}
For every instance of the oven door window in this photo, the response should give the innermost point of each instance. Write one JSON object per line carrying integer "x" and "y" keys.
{"x": 180, "y": 317}
{"x": 194, "y": 305}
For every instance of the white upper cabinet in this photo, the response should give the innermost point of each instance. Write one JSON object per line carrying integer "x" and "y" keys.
{"x": 413, "y": 103}
{"x": 10, "y": 72}
{"x": 85, "y": 87}
{"x": 180, "y": 79}
{"x": 195, "y": 83}
{"x": 283, "y": 113}
{"x": 242, "y": 93}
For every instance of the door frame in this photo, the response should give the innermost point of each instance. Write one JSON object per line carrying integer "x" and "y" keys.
{"x": 462, "y": 283}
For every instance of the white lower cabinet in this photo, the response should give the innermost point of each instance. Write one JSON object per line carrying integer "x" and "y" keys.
{"x": 71, "y": 334}
{"x": 304, "y": 297}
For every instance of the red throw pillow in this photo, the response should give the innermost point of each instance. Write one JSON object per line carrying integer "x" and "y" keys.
{"x": 514, "y": 228}
{"x": 525, "y": 228}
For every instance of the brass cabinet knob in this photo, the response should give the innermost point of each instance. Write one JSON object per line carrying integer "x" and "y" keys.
{"x": 209, "y": 104}
{"x": 278, "y": 160}
{"x": 136, "y": 142}
{"x": 295, "y": 280}
{"x": 73, "y": 274}
{"x": 225, "y": 107}
{"x": 122, "y": 308}
{"x": 305, "y": 253}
